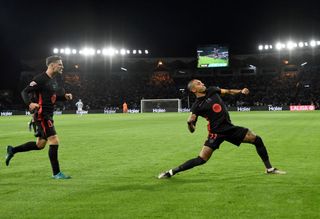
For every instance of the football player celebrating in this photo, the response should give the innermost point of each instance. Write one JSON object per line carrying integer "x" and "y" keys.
{"x": 44, "y": 86}
{"x": 210, "y": 106}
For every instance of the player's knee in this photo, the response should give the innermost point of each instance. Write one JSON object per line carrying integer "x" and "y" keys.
{"x": 53, "y": 140}
{"x": 250, "y": 137}
{"x": 40, "y": 145}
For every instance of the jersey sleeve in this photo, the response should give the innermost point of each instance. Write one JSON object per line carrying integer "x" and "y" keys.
{"x": 34, "y": 86}
{"x": 194, "y": 110}
{"x": 61, "y": 95}
{"x": 213, "y": 90}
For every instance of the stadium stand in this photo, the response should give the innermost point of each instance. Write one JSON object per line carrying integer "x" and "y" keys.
{"x": 101, "y": 84}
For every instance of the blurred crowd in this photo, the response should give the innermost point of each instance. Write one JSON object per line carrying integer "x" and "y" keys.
{"x": 98, "y": 91}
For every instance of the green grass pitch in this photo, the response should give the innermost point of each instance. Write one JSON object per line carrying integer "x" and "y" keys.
{"x": 204, "y": 60}
{"x": 114, "y": 161}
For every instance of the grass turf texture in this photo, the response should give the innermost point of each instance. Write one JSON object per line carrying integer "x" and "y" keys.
{"x": 114, "y": 161}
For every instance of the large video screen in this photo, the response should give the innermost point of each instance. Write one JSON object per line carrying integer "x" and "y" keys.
{"x": 213, "y": 56}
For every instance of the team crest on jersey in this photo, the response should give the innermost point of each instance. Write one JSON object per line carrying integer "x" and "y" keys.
{"x": 32, "y": 83}
{"x": 216, "y": 108}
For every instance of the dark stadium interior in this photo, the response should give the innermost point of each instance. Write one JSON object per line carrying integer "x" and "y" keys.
{"x": 272, "y": 80}
{"x": 171, "y": 32}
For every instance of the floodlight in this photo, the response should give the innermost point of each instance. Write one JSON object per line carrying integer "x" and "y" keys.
{"x": 67, "y": 51}
{"x": 290, "y": 45}
{"x": 122, "y": 51}
{"x": 146, "y": 51}
{"x": 134, "y": 51}
{"x": 92, "y": 51}
{"x": 88, "y": 51}
{"x": 312, "y": 43}
{"x": 278, "y": 46}
{"x": 55, "y": 50}
{"x": 108, "y": 52}
{"x": 260, "y": 47}
{"x": 74, "y": 51}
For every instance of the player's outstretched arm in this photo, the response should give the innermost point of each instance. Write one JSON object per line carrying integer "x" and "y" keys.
{"x": 244, "y": 91}
{"x": 192, "y": 120}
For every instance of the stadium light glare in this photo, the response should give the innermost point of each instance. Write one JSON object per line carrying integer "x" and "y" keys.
{"x": 278, "y": 46}
{"x": 122, "y": 51}
{"x": 92, "y": 51}
{"x": 88, "y": 51}
{"x": 290, "y": 45}
{"x": 108, "y": 51}
{"x": 312, "y": 43}
{"x": 67, "y": 51}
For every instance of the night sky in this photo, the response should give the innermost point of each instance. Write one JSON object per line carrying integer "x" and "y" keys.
{"x": 31, "y": 29}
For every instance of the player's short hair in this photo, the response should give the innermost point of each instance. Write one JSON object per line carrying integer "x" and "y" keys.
{"x": 52, "y": 59}
{"x": 190, "y": 84}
